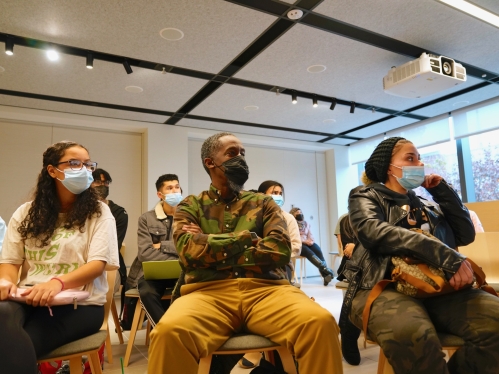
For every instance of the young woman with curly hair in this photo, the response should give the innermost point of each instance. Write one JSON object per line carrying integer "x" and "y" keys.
{"x": 63, "y": 239}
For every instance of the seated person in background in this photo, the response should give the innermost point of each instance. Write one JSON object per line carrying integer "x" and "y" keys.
{"x": 101, "y": 183}
{"x": 233, "y": 246}
{"x": 154, "y": 238}
{"x": 337, "y": 233}
{"x": 382, "y": 214}
{"x": 309, "y": 249}
{"x": 63, "y": 239}
{"x": 476, "y": 221}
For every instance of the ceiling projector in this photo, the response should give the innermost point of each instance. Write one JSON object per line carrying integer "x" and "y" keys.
{"x": 424, "y": 76}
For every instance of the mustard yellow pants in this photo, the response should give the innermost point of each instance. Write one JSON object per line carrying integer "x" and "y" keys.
{"x": 208, "y": 313}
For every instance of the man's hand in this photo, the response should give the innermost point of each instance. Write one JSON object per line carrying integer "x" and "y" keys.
{"x": 431, "y": 180}
{"x": 463, "y": 277}
{"x": 192, "y": 228}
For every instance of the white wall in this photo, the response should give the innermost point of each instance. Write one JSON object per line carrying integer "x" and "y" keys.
{"x": 309, "y": 171}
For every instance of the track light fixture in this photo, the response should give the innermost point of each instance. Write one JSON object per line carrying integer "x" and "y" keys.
{"x": 9, "y": 46}
{"x": 164, "y": 70}
{"x": 315, "y": 102}
{"x": 90, "y": 61}
{"x": 333, "y": 104}
{"x": 373, "y": 110}
{"x": 127, "y": 67}
{"x": 277, "y": 91}
{"x": 352, "y": 107}
{"x": 52, "y": 54}
{"x": 294, "y": 100}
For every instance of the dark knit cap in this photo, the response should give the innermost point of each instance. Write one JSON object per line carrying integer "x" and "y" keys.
{"x": 378, "y": 163}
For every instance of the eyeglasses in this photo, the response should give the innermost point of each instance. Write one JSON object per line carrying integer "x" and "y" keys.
{"x": 101, "y": 182}
{"x": 78, "y": 165}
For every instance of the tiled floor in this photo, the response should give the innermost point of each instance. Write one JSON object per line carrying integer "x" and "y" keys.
{"x": 329, "y": 297}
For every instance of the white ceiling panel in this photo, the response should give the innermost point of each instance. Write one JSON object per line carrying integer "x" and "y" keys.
{"x": 132, "y": 28}
{"x": 339, "y": 141}
{"x": 460, "y": 101}
{"x": 23, "y": 102}
{"x": 354, "y": 71}
{"x": 218, "y": 126}
{"x": 28, "y": 70}
{"x": 424, "y": 23}
{"x": 229, "y": 102}
{"x": 490, "y": 5}
{"x": 382, "y": 127}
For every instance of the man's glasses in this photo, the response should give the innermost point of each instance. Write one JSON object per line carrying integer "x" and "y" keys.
{"x": 78, "y": 165}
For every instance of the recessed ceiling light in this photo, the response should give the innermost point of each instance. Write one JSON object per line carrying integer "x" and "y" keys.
{"x": 329, "y": 120}
{"x": 134, "y": 89}
{"x": 52, "y": 55}
{"x": 2, "y": 69}
{"x": 171, "y": 34}
{"x": 316, "y": 68}
{"x": 250, "y": 108}
{"x": 474, "y": 11}
{"x": 460, "y": 103}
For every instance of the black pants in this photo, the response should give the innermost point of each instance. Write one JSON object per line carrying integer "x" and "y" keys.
{"x": 151, "y": 292}
{"x": 309, "y": 250}
{"x": 28, "y": 332}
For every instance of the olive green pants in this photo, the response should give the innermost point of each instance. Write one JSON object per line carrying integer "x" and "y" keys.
{"x": 208, "y": 313}
{"x": 405, "y": 328}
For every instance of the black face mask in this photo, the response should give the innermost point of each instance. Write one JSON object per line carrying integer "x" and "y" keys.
{"x": 236, "y": 170}
{"x": 102, "y": 191}
{"x": 299, "y": 217}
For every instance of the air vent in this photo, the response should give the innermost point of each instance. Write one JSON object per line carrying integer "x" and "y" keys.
{"x": 406, "y": 71}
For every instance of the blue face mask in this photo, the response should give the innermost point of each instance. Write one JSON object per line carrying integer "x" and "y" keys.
{"x": 278, "y": 199}
{"x": 173, "y": 199}
{"x": 412, "y": 176}
{"x": 76, "y": 181}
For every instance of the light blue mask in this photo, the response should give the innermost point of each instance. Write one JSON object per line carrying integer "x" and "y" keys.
{"x": 278, "y": 199}
{"x": 76, "y": 181}
{"x": 412, "y": 176}
{"x": 173, "y": 199}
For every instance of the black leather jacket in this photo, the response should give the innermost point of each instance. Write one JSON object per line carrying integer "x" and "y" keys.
{"x": 376, "y": 222}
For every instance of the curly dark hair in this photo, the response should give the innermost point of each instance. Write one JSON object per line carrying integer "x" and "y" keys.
{"x": 41, "y": 220}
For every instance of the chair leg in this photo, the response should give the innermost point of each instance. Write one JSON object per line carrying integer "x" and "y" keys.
{"x": 109, "y": 348}
{"x": 384, "y": 366}
{"x": 204, "y": 365}
{"x": 95, "y": 366}
{"x": 136, "y": 323}
{"x": 116, "y": 320}
{"x": 288, "y": 362}
{"x": 302, "y": 270}
{"x": 148, "y": 331}
{"x": 75, "y": 365}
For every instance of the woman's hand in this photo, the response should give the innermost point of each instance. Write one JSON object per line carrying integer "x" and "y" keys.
{"x": 348, "y": 250}
{"x": 431, "y": 181}
{"x": 463, "y": 276}
{"x": 7, "y": 288}
{"x": 42, "y": 294}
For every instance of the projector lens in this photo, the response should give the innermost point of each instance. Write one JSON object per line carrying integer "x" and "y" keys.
{"x": 447, "y": 68}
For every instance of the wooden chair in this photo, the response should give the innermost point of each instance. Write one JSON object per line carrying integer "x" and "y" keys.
{"x": 244, "y": 343}
{"x": 116, "y": 319}
{"x": 450, "y": 343}
{"x": 302, "y": 268}
{"x": 334, "y": 256}
{"x": 89, "y": 345}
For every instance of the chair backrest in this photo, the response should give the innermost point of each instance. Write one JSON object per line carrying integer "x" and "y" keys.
{"x": 123, "y": 249}
{"x": 483, "y": 251}
{"x": 111, "y": 277}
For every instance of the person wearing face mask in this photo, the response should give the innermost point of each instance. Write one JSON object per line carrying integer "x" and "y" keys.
{"x": 65, "y": 238}
{"x": 233, "y": 246}
{"x": 381, "y": 215}
{"x": 309, "y": 248}
{"x": 155, "y": 244}
{"x": 101, "y": 183}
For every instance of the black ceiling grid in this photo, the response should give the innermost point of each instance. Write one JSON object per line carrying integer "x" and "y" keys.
{"x": 359, "y": 34}
{"x": 273, "y": 32}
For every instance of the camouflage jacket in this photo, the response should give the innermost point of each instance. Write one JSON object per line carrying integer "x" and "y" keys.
{"x": 224, "y": 250}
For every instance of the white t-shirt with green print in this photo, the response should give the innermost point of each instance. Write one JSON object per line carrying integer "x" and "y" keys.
{"x": 66, "y": 252}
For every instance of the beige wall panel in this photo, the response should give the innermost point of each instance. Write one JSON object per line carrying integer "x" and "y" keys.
{"x": 21, "y": 149}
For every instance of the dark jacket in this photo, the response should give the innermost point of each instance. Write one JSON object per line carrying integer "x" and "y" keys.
{"x": 376, "y": 220}
{"x": 121, "y": 217}
{"x": 154, "y": 227}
